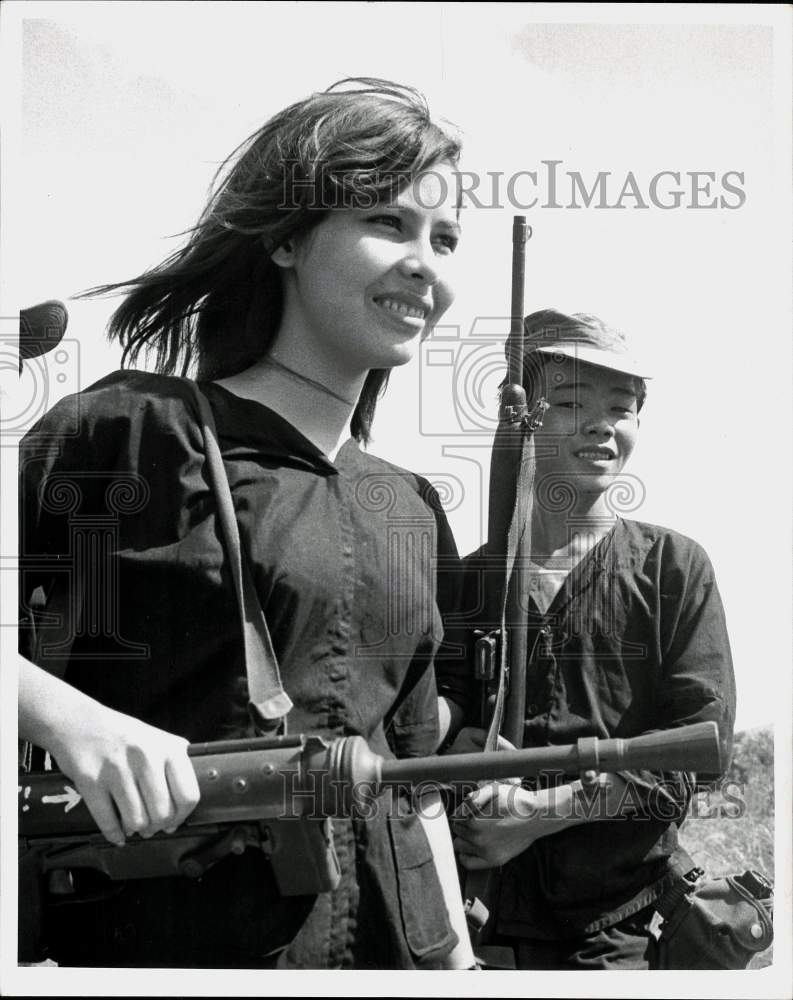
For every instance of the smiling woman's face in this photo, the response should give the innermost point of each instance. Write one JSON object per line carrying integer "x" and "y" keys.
{"x": 590, "y": 428}
{"x": 366, "y": 285}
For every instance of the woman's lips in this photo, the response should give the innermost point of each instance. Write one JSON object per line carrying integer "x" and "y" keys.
{"x": 595, "y": 454}
{"x": 402, "y": 308}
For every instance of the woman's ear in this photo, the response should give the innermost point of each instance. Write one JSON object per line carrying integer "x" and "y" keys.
{"x": 284, "y": 255}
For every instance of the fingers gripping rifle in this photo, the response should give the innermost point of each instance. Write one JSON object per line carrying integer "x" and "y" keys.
{"x": 279, "y": 794}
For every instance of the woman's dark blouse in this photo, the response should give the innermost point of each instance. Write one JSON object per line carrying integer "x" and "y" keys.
{"x": 342, "y": 555}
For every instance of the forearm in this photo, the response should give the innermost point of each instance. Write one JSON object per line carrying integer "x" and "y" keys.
{"x": 502, "y": 820}
{"x": 49, "y": 708}
{"x": 133, "y": 777}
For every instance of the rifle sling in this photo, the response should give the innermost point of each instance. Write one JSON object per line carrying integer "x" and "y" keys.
{"x": 508, "y": 547}
{"x": 268, "y": 702}
{"x": 511, "y": 503}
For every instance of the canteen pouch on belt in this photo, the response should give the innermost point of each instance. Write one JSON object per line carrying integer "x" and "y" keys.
{"x": 714, "y": 923}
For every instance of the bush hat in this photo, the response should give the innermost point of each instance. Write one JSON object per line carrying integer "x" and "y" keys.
{"x": 581, "y": 336}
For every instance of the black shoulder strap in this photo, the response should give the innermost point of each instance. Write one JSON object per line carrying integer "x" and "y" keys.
{"x": 512, "y": 474}
{"x": 268, "y": 702}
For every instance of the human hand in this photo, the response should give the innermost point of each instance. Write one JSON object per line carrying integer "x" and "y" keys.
{"x": 494, "y": 824}
{"x": 134, "y": 778}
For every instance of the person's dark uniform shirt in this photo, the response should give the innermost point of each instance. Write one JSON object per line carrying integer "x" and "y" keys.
{"x": 634, "y": 641}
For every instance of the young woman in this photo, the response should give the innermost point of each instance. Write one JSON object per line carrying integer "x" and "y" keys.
{"x": 319, "y": 264}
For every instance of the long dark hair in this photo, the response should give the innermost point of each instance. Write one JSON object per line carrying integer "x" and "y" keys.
{"x": 216, "y": 303}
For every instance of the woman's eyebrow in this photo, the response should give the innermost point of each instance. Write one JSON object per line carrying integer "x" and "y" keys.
{"x": 415, "y": 213}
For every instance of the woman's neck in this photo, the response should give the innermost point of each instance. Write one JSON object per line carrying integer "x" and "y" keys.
{"x": 319, "y": 407}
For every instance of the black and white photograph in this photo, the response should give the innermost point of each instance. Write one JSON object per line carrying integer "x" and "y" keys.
{"x": 395, "y": 410}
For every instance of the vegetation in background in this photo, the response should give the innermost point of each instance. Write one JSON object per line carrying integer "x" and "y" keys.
{"x": 732, "y": 828}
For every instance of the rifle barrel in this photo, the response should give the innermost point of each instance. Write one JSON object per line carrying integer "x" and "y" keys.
{"x": 520, "y": 233}
{"x": 690, "y": 748}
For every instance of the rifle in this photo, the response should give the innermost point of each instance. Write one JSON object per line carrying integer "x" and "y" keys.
{"x": 501, "y": 652}
{"x": 280, "y": 794}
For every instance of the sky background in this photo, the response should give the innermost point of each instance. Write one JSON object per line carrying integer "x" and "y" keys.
{"x": 124, "y": 112}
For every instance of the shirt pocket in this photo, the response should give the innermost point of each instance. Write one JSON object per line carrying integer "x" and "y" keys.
{"x": 425, "y": 921}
